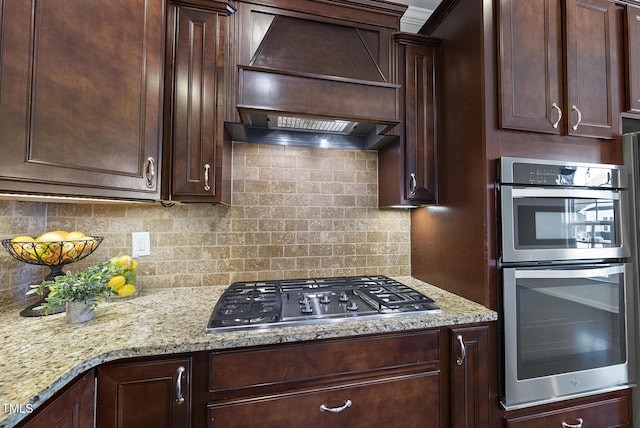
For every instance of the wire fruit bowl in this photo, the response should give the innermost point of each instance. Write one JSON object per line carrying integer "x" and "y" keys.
{"x": 54, "y": 254}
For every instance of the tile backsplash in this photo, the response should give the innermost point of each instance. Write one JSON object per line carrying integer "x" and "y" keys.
{"x": 295, "y": 212}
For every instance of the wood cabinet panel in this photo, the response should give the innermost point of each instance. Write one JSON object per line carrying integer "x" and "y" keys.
{"x": 407, "y": 167}
{"x": 531, "y": 65}
{"x": 469, "y": 380}
{"x": 81, "y": 105}
{"x": 400, "y": 402}
{"x": 633, "y": 59}
{"x": 595, "y": 66}
{"x": 198, "y": 154}
{"x": 151, "y": 394}
{"x": 73, "y": 408}
{"x": 561, "y": 66}
{"x": 297, "y": 362}
{"x": 606, "y": 413}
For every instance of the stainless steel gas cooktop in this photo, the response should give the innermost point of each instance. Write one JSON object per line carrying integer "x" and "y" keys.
{"x": 265, "y": 304}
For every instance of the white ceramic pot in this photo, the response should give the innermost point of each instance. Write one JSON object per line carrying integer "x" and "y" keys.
{"x": 77, "y": 312}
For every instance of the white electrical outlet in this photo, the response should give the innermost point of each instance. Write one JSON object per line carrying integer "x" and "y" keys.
{"x": 140, "y": 244}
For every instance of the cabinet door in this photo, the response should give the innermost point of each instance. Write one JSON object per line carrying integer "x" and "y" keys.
{"x": 419, "y": 122}
{"x": 633, "y": 59}
{"x": 73, "y": 408}
{"x": 407, "y": 167}
{"x": 152, "y": 394}
{"x": 594, "y": 34}
{"x": 81, "y": 104}
{"x": 614, "y": 412}
{"x": 531, "y": 96}
{"x": 199, "y": 155}
{"x": 470, "y": 377}
{"x": 410, "y": 401}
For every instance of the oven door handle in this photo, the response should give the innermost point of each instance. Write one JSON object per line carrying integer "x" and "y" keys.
{"x": 537, "y": 192}
{"x": 570, "y": 273}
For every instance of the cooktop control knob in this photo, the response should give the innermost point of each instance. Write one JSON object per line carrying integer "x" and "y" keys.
{"x": 352, "y": 306}
{"x": 325, "y": 299}
{"x": 343, "y": 297}
{"x": 306, "y": 307}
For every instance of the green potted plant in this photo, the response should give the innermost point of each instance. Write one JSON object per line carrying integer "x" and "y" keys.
{"x": 78, "y": 293}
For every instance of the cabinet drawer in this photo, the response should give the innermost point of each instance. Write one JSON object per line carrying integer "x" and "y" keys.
{"x": 398, "y": 402}
{"x": 609, "y": 413}
{"x": 295, "y": 362}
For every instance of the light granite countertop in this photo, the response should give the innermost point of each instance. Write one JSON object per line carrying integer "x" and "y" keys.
{"x": 40, "y": 355}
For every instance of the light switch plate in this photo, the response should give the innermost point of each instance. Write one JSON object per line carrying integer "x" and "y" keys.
{"x": 140, "y": 244}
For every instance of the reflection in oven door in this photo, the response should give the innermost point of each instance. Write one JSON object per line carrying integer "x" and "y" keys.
{"x": 542, "y": 224}
{"x": 565, "y": 331}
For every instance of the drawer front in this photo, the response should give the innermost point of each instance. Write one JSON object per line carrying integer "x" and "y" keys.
{"x": 604, "y": 414}
{"x": 295, "y": 362}
{"x": 401, "y": 402}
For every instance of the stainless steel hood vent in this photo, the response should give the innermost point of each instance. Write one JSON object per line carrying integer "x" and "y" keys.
{"x": 315, "y": 83}
{"x": 309, "y": 124}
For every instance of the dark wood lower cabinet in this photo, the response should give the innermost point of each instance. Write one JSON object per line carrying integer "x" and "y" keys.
{"x": 440, "y": 377}
{"x": 145, "y": 394}
{"x": 605, "y": 411}
{"x": 469, "y": 360}
{"x": 72, "y": 408}
{"x": 410, "y": 401}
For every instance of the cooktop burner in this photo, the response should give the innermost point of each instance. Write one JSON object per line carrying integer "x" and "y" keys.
{"x": 263, "y": 304}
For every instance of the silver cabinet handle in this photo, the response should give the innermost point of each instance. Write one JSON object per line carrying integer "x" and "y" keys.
{"x": 151, "y": 171}
{"x": 574, "y": 108}
{"x": 559, "y": 110}
{"x": 568, "y": 425}
{"x": 207, "y": 167}
{"x": 413, "y": 184}
{"x": 179, "y": 396}
{"x": 463, "y": 351}
{"x": 324, "y": 408}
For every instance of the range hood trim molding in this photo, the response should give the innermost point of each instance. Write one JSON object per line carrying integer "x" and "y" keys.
{"x": 261, "y": 90}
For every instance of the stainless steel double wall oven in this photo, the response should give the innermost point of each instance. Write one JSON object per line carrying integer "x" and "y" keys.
{"x": 567, "y": 281}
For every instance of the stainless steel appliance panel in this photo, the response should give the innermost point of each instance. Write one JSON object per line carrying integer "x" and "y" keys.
{"x": 566, "y": 331}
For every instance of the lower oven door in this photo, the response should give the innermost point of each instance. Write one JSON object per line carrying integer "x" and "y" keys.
{"x": 567, "y": 332}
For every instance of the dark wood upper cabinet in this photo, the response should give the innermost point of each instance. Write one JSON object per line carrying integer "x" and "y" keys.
{"x": 81, "y": 105}
{"x": 561, "y": 66}
{"x": 197, "y": 150}
{"x": 633, "y": 59}
{"x": 407, "y": 167}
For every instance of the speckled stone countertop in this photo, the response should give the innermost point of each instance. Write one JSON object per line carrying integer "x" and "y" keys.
{"x": 40, "y": 355}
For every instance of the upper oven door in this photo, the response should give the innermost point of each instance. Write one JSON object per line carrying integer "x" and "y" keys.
{"x": 559, "y": 224}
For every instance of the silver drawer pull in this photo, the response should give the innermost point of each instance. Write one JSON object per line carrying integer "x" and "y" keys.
{"x": 207, "y": 167}
{"x": 559, "y": 110}
{"x": 179, "y": 397}
{"x": 324, "y": 408}
{"x": 151, "y": 172}
{"x": 413, "y": 184}
{"x": 574, "y": 108}
{"x": 463, "y": 351}
{"x": 577, "y": 425}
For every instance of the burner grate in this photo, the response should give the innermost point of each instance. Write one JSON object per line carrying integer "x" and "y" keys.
{"x": 315, "y": 300}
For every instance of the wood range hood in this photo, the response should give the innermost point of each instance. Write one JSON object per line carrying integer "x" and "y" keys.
{"x": 312, "y": 83}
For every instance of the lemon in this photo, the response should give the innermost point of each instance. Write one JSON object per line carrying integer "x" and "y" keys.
{"x": 22, "y": 238}
{"x": 126, "y": 290}
{"x": 127, "y": 262}
{"x": 116, "y": 281}
{"x": 53, "y": 236}
{"x": 75, "y": 235}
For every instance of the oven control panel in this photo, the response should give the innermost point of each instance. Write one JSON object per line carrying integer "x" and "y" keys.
{"x": 557, "y": 173}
